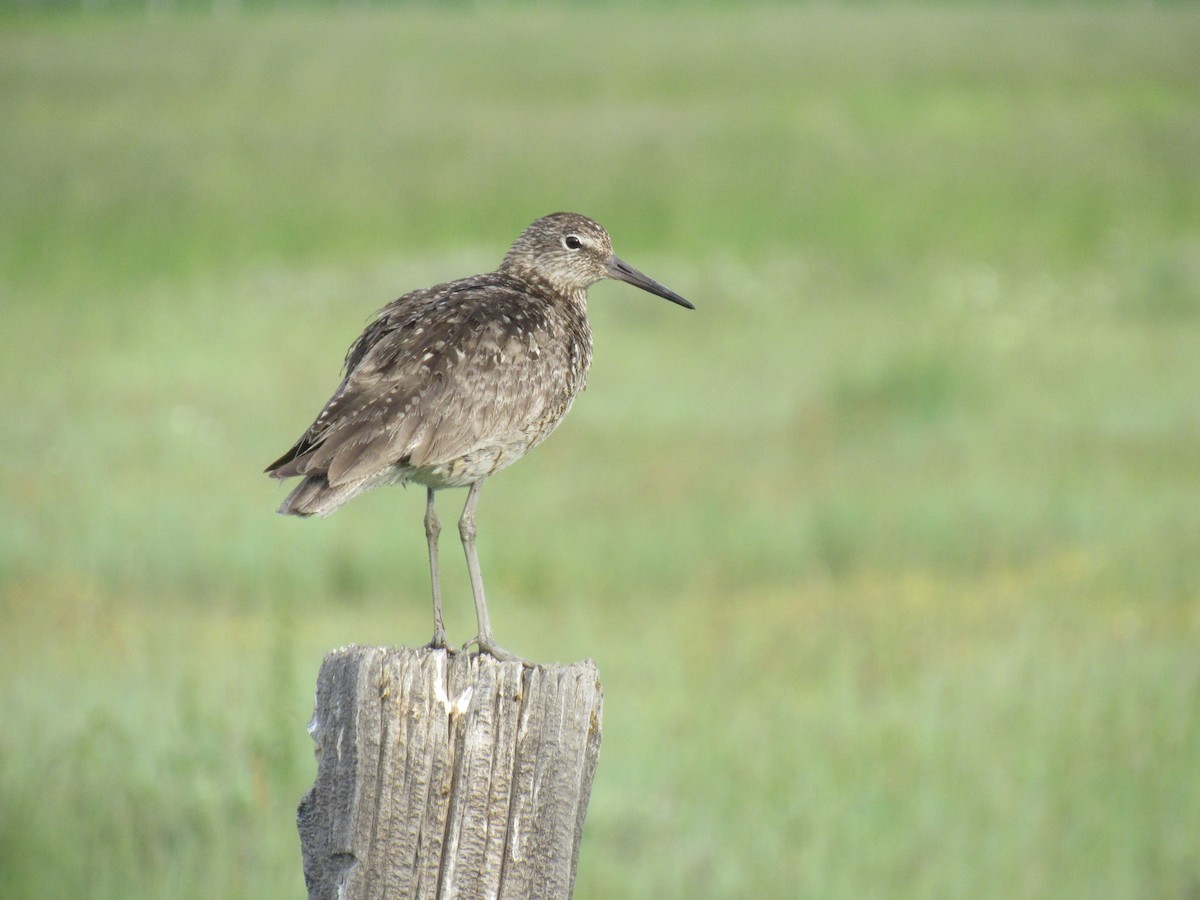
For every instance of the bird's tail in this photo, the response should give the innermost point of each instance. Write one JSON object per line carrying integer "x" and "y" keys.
{"x": 315, "y": 496}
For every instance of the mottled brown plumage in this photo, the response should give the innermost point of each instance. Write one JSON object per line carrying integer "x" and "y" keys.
{"x": 454, "y": 382}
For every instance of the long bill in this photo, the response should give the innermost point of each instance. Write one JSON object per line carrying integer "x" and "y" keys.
{"x": 623, "y": 271}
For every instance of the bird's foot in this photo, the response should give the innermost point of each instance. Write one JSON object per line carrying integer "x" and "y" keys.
{"x": 488, "y": 645}
{"x": 439, "y": 642}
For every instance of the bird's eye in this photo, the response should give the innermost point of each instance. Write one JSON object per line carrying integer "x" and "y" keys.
{"x": 571, "y": 242}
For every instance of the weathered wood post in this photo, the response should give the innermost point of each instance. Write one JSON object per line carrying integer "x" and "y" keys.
{"x": 448, "y": 776}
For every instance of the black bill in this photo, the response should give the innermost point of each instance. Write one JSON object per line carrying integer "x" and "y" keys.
{"x": 622, "y": 271}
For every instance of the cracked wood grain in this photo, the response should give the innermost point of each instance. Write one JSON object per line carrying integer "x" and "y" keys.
{"x": 448, "y": 776}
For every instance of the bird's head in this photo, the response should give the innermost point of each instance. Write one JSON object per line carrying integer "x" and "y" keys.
{"x": 572, "y": 252}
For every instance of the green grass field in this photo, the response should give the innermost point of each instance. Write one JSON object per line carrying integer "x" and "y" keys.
{"x": 889, "y": 554}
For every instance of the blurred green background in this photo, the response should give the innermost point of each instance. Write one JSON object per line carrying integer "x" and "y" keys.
{"x": 888, "y": 554}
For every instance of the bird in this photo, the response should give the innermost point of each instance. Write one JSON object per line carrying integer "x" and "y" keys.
{"x": 449, "y": 384}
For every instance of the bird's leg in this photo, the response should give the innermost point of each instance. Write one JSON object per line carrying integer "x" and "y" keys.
{"x": 466, "y": 530}
{"x": 432, "y": 529}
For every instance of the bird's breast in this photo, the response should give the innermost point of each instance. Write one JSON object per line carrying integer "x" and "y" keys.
{"x": 528, "y": 371}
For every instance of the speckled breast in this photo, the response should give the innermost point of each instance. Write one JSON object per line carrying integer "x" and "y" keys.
{"x": 521, "y": 388}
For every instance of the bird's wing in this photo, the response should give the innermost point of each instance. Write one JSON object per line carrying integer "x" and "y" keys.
{"x": 438, "y": 374}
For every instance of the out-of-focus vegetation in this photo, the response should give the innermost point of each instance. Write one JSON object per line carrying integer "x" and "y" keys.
{"x": 887, "y": 554}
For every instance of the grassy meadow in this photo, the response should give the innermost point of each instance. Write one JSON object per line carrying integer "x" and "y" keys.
{"x": 889, "y": 554}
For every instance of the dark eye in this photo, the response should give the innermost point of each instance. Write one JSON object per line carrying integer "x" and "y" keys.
{"x": 571, "y": 242}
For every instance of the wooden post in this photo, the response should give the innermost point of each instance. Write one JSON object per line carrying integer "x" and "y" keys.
{"x": 447, "y": 776}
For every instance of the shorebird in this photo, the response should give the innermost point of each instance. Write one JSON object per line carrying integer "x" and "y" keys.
{"x": 452, "y": 383}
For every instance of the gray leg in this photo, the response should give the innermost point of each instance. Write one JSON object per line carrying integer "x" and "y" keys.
{"x": 432, "y": 529}
{"x": 466, "y": 529}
